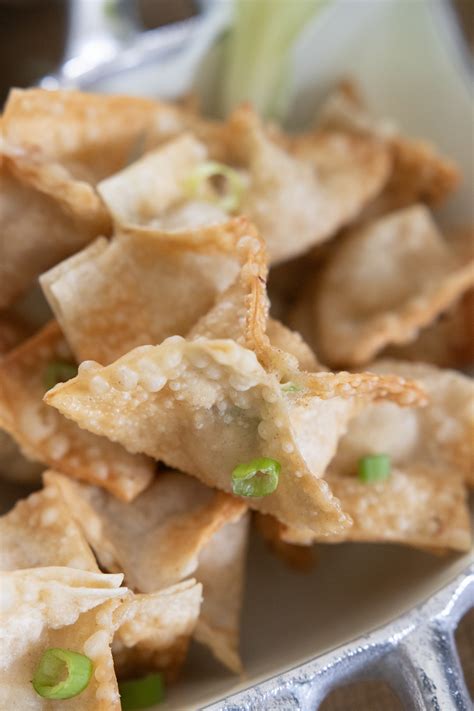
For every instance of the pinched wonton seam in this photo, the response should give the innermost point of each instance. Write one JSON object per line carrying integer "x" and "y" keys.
{"x": 57, "y": 607}
{"x": 144, "y": 286}
{"x": 178, "y": 527}
{"x": 418, "y": 174}
{"x": 241, "y": 314}
{"x": 205, "y": 406}
{"x": 45, "y": 216}
{"x": 383, "y": 283}
{"x": 45, "y": 437}
{"x": 154, "y": 631}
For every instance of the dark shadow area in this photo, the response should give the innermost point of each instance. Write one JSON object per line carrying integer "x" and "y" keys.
{"x": 465, "y": 644}
{"x": 32, "y": 39}
{"x": 362, "y": 696}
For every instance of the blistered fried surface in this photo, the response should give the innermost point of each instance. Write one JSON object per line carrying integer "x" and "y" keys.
{"x": 203, "y": 407}
{"x": 40, "y": 531}
{"x": 416, "y": 506}
{"x": 178, "y": 527}
{"x": 57, "y": 607}
{"x": 444, "y": 428}
{"x": 423, "y": 502}
{"x": 156, "y": 540}
{"x": 48, "y": 438}
{"x": 153, "y": 631}
{"x": 383, "y": 283}
{"x": 143, "y": 286}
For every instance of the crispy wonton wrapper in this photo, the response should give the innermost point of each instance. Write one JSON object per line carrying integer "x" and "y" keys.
{"x": 282, "y": 192}
{"x": 178, "y": 527}
{"x": 221, "y": 571}
{"x": 53, "y": 440}
{"x": 423, "y": 502}
{"x": 144, "y": 286}
{"x": 154, "y": 630}
{"x": 419, "y": 173}
{"x": 91, "y": 135}
{"x": 157, "y": 539}
{"x": 57, "y": 607}
{"x": 385, "y": 282}
{"x": 448, "y": 342}
{"x": 205, "y": 406}
{"x": 308, "y": 192}
{"x": 56, "y": 146}
{"x": 40, "y": 531}
{"x": 45, "y": 216}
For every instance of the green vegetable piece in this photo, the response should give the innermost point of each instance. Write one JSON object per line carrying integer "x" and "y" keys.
{"x": 62, "y": 674}
{"x": 58, "y": 371}
{"x": 142, "y": 693}
{"x": 257, "y": 478}
{"x": 235, "y": 185}
{"x": 290, "y": 387}
{"x": 374, "y": 468}
{"x": 257, "y": 54}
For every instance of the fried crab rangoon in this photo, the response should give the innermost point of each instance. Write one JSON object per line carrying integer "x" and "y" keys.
{"x": 114, "y": 296}
{"x": 205, "y": 406}
{"x": 177, "y": 528}
{"x": 166, "y": 399}
{"x": 424, "y": 500}
{"x": 151, "y": 631}
{"x": 384, "y": 282}
{"x": 51, "y": 440}
{"x": 281, "y": 191}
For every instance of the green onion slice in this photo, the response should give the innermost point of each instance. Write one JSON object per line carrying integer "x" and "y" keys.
{"x": 235, "y": 185}
{"x": 62, "y": 674}
{"x": 374, "y": 468}
{"x": 290, "y": 387}
{"x": 142, "y": 693}
{"x": 257, "y": 478}
{"x": 58, "y": 371}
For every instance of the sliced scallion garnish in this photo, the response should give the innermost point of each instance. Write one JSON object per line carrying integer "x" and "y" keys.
{"x": 290, "y": 387}
{"x": 257, "y": 478}
{"x": 234, "y": 188}
{"x": 62, "y": 674}
{"x": 58, "y": 371}
{"x": 142, "y": 693}
{"x": 374, "y": 468}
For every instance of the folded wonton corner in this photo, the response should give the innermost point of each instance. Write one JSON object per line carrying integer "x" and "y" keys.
{"x": 52, "y": 440}
{"x": 398, "y": 274}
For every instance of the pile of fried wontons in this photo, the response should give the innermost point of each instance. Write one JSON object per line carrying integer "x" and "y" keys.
{"x": 235, "y": 299}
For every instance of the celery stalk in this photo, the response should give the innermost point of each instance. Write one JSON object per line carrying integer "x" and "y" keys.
{"x": 258, "y": 52}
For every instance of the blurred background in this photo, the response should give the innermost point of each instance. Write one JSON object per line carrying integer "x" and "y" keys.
{"x": 33, "y": 33}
